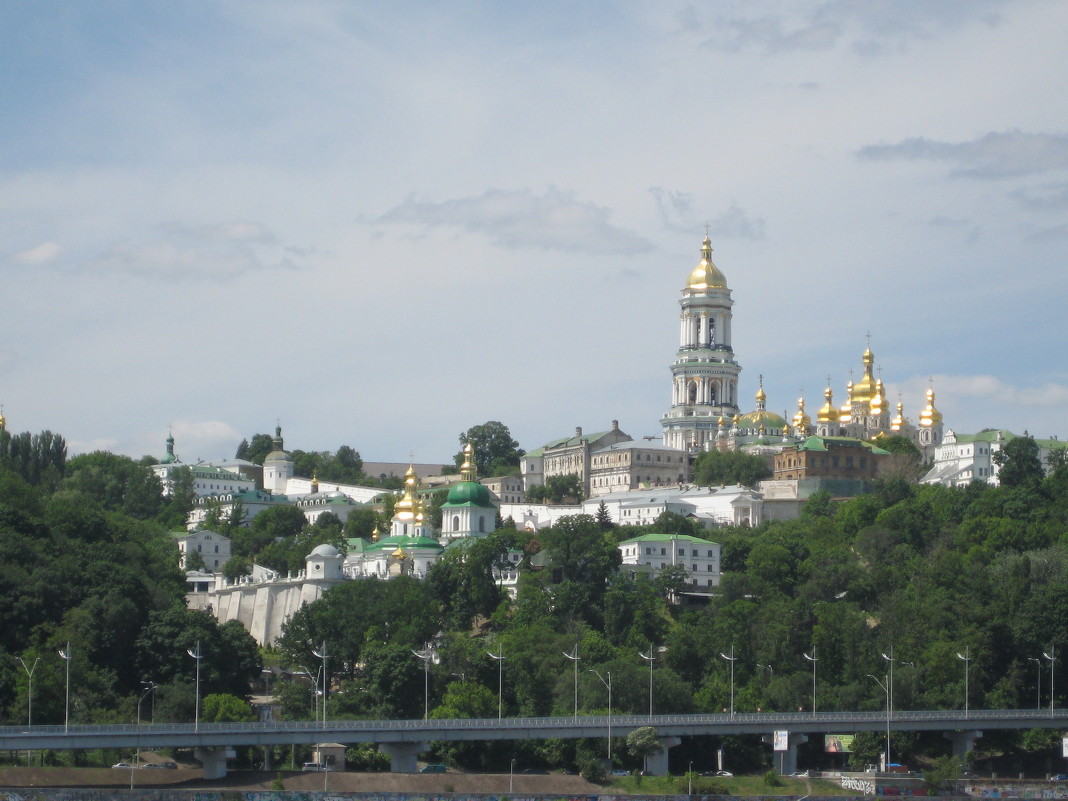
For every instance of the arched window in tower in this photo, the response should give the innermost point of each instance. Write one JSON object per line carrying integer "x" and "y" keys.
{"x": 456, "y": 522}
{"x": 691, "y": 393}
{"x": 711, "y": 332}
{"x": 712, "y": 394}
{"x": 481, "y": 524}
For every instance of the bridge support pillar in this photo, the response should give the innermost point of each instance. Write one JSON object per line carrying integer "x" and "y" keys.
{"x": 402, "y": 756}
{"x": 213, "y": 760}
{"x": 785, "y": 762}
{"x": 963, "y": 742}
{"x": 657, "y": 764}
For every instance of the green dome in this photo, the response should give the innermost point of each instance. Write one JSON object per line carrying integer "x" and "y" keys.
{"x": 468, "y": 493}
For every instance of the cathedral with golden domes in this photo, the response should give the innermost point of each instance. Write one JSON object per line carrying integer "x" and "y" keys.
{"x": 704, "y": 413}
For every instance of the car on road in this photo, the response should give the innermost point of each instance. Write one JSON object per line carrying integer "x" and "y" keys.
{"x": 169, "y": 765}
{"x": 724, "y": 773}
{"x": 620, "y": 772}
{"x": 316, "y": 767}
{"x": 434, "y": 769}
{"x": 1059, "y": 777}
{"x": 151, "y": 766}
{"x": 800, "y": 774}
{"x": 120, "y": 765}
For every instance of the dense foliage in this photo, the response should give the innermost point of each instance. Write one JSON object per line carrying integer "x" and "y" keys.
{"x": 926, "y": 571}
{"x": 86, "y": 559}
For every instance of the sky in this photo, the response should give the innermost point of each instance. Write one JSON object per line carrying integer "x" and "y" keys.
{"x": 380, "y": 224}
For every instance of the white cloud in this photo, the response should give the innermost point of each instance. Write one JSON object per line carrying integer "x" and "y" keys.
{"x": 45, "y": 253}
{"x": 521, "y": 219}
{"x": 678, "y": 213}
{"x": 218, "y": 251}
{"x": 993, "y": 156}
{"x": 1001, "y": 393}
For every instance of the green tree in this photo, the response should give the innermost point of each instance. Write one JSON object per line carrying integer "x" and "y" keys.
{"x": 225, "y": 708}
{"x": 729, "y": 467}
{"x": 557, "y": 489}
{"x": 644, "y": 742}
{"x": 1018, "y": 463}
{"x": 494, "y": 448}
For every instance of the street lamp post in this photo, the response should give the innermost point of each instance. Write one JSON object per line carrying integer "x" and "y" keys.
{"x": 511, "y": 774}
{"x": 731, "y": 659}
{"x": 198, "y": 655}
{"x": 650, "y": 658}
{"x": 65, "y": 654}
{"x": 886, "y": 689}
{"x": 1052, "y": 657}
{"x": 575, "y": 659}
{"x": 607, "y": 684}
{"x": 321, "y": 654}
{"x": 890, "y": 680}
{"x": 967, "y": 660}
{"x": 29, "y": 699}
{"x": 144, "y": 695}
{"x": 499, "y": 659}
{"x": 1038, "y": 680}
{"x": 813, "y": 659}
{"x": 689, "y": 779}
{"x": 426, "y": 655}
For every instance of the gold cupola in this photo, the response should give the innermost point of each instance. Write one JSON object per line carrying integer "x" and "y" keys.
{"x": 467, "y": 469}
{"x": 827, "y": 412}
{"x": 404, "y": 511}
{"x": 706, "y": 275}
{"x": 845, "y": 413}
{"x": 864, "y": 390}
{"x": 930, "y": 416}
{"x": 801, "y": 420}
{"x": 315, "y": 481}
{"x": 376, "y": 534}
{"x": 878, "y": 399}
{"x": 3, "y": 422}
{"x": 898, "y": 422}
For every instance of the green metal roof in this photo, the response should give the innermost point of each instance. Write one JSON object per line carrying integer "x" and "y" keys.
{"x": 667, "y": 538}
{"x": 401, "y": 541}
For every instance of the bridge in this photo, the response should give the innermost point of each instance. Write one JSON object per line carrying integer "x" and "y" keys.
{"x": 404, "y": 740}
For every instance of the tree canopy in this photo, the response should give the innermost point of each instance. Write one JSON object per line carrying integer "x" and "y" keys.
{"x": 495, "y": 452}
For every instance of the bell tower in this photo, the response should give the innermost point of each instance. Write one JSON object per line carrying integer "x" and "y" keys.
{"x": 704, "y": 375}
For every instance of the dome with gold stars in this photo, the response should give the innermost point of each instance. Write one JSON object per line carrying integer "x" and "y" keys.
{"x": 706, "y": 275}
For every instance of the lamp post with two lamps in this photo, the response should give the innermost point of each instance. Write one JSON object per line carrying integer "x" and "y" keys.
{"x": 650, "y": 658}
{"x": 886, "y": 689}
{"x": 428, "y": 655}
{"x": 1038, "y": 680}
{"x": 607, "y": 684}
{"x": 731, "y": 659}
{"x": 29, "y": 698}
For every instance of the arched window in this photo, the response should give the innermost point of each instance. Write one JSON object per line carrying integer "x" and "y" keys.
{"x": 456, "y": 522}
{"x": 481, "y": 523}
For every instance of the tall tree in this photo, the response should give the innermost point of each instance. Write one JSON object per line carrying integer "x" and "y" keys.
{"x": 1018, "y": 463}
{"x": 494, "y": 448}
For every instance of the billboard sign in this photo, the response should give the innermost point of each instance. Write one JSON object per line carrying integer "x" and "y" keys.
{"x": 838, "y": 743}
{"x": 782, "y": 741}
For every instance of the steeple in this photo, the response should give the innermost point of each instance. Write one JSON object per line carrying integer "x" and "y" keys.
{"x": 704, "y": 374}
{"x": 169, "y": 457}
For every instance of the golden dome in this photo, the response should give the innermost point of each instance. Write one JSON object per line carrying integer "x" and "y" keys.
{"x": 3, "y": 422}
{"x": 827, "y": 412}
{"x": 864, "y": 390}
{"x": 760, "y": 395}
{"x": 315, "y": 481}
{"x": 375, "y": 534}
{"x": 404, "y": 511}
{"x": 801, "y": 420}
{"x": 722, "y": 422}
{"x": 467, "y": 469}
{"x": 898, "y": 422}
{"x": 930, "y": 416}
{"x": 398, "y": 554}
{"x": 878, "y": 399}
{"x": 706, "y": 275}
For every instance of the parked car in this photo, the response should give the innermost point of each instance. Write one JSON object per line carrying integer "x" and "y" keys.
{"x": 152, "y": 766}
{"x": 724, "y": 773}
{"x": 800, "y": 774}
{"x": 620, "y": 772}
{"x": 121, "y": 765}
{"x": 320, "y": 767}
{"x": 434, "y": 769}
{"x": 169, "y": 765}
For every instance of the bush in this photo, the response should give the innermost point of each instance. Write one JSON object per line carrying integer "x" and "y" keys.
{"x": 773, "y": 779}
